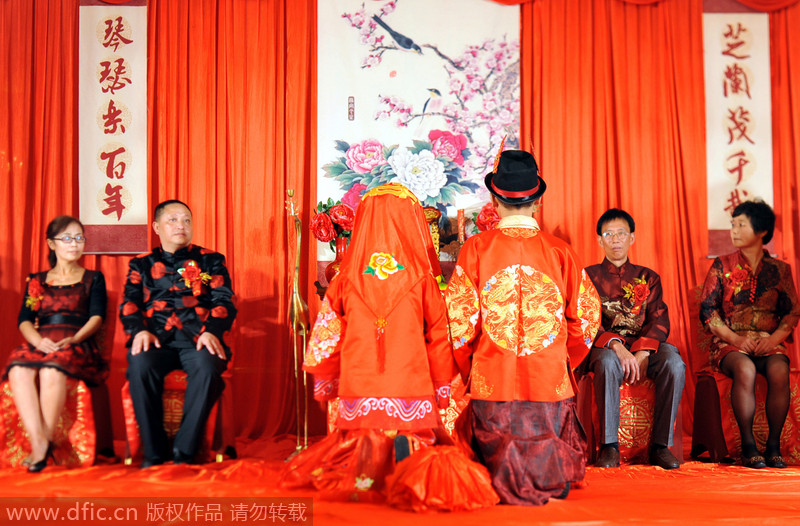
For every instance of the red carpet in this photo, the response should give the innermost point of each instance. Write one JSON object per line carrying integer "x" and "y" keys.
{"x": 698, "y": 493}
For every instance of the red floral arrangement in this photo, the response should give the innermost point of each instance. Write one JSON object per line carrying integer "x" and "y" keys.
{"x": 487, "y": 218}
{"x": 637, "y": 292}
{"x": 331, "y": 220}
{"x": 35, "y": 294}
{"x": 193, "y": 276}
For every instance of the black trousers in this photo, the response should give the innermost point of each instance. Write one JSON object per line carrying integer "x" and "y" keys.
{"x": 204, "y": 385}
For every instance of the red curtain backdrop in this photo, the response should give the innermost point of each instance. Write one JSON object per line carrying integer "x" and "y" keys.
{"x": 232, "y": 123}
{"x": 612, "y": 98}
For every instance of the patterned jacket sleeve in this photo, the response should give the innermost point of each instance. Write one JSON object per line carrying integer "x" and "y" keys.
{"x": 30, "y": 301}
{"x": 582, "y": 310}
{"x": 788, "y": 306}
{"x": 463, "y": 309}
{"x": 223, "y": 311}
{"x": 131, "y": 310}
{"x": 711, "y": 300}
{"x": 656, "y": 326}
{"x": 437, "y": 339}
{"x": 323, "y": 355}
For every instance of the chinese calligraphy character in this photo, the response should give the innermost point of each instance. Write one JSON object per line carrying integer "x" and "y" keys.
{"x": 736, "y": 81}
{"x": 739, "y": 119}
{"x": 115, "y": 79}
{"x": 155, "y": 512}
{"x": 258, "y": 512}
{"x": 734, "y": 40}
{"x": 213, "y": 513}
{"x": 115, "y": 206}
{"x": 112, "y": 119}
{"x": 297, "y": 512}
{"x": 735, "y": 199}
{"x": 239, "y": 512}
{"x": 741, "y": 162}
{"x": 277, "y": 512}
{"x": 113, "y": 34}
{"x": 114, "y": 170}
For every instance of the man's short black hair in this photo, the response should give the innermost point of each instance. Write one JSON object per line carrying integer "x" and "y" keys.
{"x": 761, "y": 217}
{"x": 612, "y": 214}
{"x": 161, "y": 206}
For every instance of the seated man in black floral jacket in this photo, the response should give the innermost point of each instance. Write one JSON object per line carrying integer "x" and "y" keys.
{"x": 178, "y": 303}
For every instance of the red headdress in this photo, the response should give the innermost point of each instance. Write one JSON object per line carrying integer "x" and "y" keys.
{"x": 390, "y": 250}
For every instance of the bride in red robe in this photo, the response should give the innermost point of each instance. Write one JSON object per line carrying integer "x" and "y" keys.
{"x": 381, "y": 344}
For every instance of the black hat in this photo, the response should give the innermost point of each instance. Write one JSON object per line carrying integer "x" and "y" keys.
{"x": 516, "y": 178}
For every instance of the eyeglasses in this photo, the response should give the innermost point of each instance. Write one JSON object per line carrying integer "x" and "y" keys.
{"x": 69, "y": 239}
{"x": 611, "y": 236}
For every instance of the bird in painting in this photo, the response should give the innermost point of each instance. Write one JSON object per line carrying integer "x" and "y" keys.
{"x": 400, "y": 39}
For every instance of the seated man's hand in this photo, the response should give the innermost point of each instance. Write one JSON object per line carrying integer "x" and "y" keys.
{"x": 211, "y": 343}
{"x": 630, "y": 366}
{"x": 643, "y": 359}
{"x": 142, "y": 341}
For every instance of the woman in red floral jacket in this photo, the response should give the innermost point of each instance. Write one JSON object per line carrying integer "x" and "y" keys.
{"x": 62, "y": 311}
{"x": 750, "y": 306}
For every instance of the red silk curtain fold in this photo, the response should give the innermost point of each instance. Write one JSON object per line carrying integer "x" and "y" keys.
{"x": 612, "y": 99}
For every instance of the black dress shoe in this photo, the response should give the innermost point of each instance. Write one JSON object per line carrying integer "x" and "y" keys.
{"x": 563, "y": 494}
{"x": 608, "y": 457}
{"x": 663, "y": 458}
{"x": 150, "y": 462}
{"x": 402, "y": 449}
{"x": 179, "y": 457}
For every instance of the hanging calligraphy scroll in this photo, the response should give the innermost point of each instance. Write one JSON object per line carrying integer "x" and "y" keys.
{"x": 112, "y": 125}
{"x": 738, "y": 117}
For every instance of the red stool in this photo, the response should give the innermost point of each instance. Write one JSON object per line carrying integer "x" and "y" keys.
{"x": 219, "y": 428}
{"x": 635, "y": 420}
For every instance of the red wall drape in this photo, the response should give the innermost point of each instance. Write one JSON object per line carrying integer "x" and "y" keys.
{"x": 612, "y": 98}
{"x": 232, "y": 96}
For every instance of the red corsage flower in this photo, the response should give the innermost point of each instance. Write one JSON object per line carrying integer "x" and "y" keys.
{"x": 738, "y": 277}
{"x": 193, "y": 276}
{"x": 637, "y": 293}
{"x": 487, "y": 218}
{"x": 35, "y": 294}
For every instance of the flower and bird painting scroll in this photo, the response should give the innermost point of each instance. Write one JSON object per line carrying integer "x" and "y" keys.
{"x": 416, "y": 92}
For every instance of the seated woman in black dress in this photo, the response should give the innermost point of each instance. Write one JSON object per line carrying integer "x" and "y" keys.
{"x": 750, "y": 306}
{"x": 62, "y": 310}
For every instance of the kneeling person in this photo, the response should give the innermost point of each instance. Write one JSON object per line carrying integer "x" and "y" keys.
{"x": 522, "y": 312}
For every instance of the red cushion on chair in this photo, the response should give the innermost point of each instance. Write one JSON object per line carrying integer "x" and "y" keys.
{"x": 75, "y": 437}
